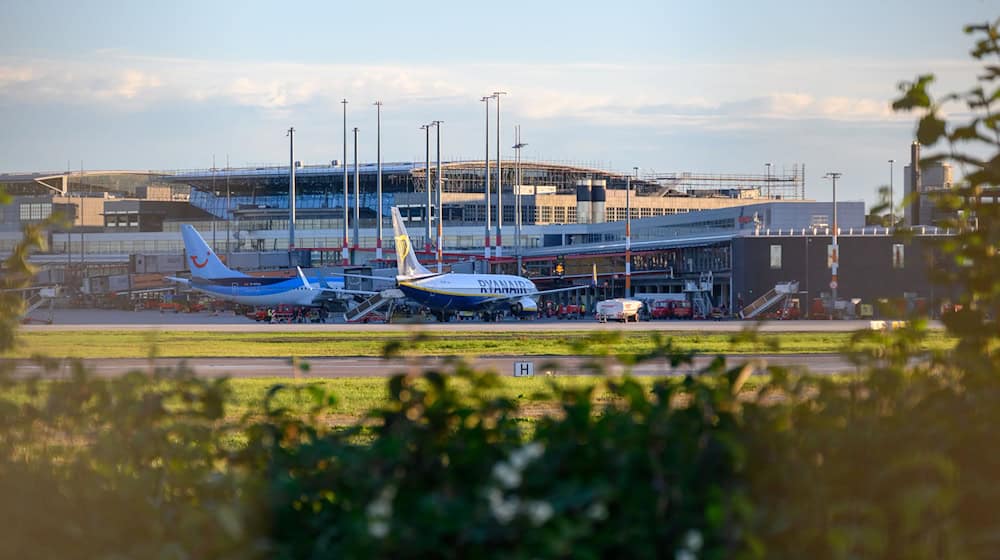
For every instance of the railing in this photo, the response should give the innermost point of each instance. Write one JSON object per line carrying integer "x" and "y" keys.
{"x": 374, "y": 303}
{"x": 870, "y": 231}
{"x": 769, "y": 300}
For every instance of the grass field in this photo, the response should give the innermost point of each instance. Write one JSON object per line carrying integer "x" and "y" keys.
{"x": 355, "y": 396}
{"x": 189, "y": 344}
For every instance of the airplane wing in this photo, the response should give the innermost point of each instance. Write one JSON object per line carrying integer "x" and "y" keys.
{"x": 369, "y": 277}
{"x": 345, "y": 291}
{"x": 305, "y": 282}
{"x": 175, "y": 279}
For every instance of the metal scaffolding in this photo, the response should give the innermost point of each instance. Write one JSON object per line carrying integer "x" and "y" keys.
{"x": 784, "y": 185}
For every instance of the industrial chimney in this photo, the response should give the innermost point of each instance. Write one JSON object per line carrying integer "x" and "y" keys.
{"x": 598, "y": 198}
{"x": 583, "y": 201}
{"x": 913, "y": 217}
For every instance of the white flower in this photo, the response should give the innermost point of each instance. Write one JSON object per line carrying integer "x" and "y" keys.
{"x": 508, "y": 476}
{"x": 685, "y": 554}
{"x": 534, "y": 450}
{"x": 539, "y": 512}
{"x": 378, "y": 529}
{"x": 504, "y": 511}
{"x": 597, "y": 511}
{"x": 693, "y": 540}
{"x": 521, "y": 457}
{"x": 379, "y": 509}
{"x": 495, "y": 496}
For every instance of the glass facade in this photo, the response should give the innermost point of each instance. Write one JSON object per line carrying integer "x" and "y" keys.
{"x": 216, "y": 204}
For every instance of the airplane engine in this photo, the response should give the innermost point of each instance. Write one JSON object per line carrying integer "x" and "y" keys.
{"x": 524, "y": 305}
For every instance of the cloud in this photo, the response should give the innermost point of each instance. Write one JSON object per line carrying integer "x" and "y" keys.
{"x": 645, "y": 95}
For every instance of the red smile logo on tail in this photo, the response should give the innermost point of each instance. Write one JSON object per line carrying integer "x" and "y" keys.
{"x": 194, "y": 260}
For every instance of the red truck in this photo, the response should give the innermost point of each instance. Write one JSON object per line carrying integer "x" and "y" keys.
{"x": 660, "y": 310}
{"x": 670, "y": 309}
{"x": 680, "y": 309}
{"x": 569, "y": 311}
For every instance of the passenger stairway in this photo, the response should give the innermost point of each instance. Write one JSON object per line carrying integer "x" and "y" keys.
{"x": 779, "y": 294}
{"x": 35, "y": 298}
{"x": 700, "y": 295}
{"x": 701, "y": 305}
{"x": 374, "y": 303}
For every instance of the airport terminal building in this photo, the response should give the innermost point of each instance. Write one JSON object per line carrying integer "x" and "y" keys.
{"x": 728, "y": 237}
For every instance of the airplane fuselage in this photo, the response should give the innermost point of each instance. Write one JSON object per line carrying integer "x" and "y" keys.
{"x": 258, "y": 291}
{"x": 468, "y": 292}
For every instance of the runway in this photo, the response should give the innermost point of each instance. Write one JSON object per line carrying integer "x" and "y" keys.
{"x": 327, "y": 368}
{"x": 103, "y": 320}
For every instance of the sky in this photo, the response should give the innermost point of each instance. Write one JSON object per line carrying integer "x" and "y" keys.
{"x": 666, "y": 86}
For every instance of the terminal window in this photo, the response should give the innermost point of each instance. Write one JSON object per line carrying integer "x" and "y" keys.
{"x": 35, "y": 211}
{"x": 775, "y": 257}
{"x": 897, "y": 256}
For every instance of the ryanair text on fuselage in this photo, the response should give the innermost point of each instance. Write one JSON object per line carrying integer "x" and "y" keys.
{"x": 506, "y": 286}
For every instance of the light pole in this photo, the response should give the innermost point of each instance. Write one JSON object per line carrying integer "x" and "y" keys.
{"x": 291, "y": 189}
{"x": 517, "y": 198}
{"x": 496, "y": 95}
{"x": 357, "y": 197}
{"x": 215, "y": 193}
{"x": 486, "y": 175}
{"x": 229, "y": 206}
{"x": 343, "y": 250}
{"x": 440, "y": 213}
{"x": 768, "y": 182}
{"x": 834, "y": 252}
{"x": 378, "y": 179}
{"x": 628, "y": 232}
{"x": 427, "y": 186}
{"x": 892, "y": 216}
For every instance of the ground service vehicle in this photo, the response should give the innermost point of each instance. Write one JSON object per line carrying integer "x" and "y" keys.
{"x": 660, "y": 309}
{"x": 680, "y": 310}
{"x": 618, "y": 309}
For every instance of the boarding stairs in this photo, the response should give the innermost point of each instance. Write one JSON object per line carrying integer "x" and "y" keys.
{"x": 35, "y": 298}
{"x": 374, "y": 303}
{"x": 700, "y": 295}
{"x": 781, "y": 293}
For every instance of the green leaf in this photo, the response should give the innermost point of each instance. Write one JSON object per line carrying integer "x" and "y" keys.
{"x": 914, "y": 94}
{"x": 930, "y": 129}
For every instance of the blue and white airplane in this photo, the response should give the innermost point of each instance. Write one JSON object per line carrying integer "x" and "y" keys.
{"x": 451, "y": 292}
{"x": 210, "y": 276}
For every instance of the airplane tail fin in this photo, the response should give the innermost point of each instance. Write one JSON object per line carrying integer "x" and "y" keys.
{"x": 201, "y": 259}
{"x": 406, "y": 261}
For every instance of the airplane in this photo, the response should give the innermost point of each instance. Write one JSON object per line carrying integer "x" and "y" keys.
{"x": 210, "y": 276}
{"x": 452, "y": 292}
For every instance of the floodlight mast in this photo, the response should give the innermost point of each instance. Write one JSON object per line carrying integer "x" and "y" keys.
{"x": 835, "y": 261}
{"x": 496, "y": 95}
{"x": 486, "y": 176}
{"x": 427, "y": 186}
{"x": 344, "y": 250}
{"x": 357, "y": 198}
{"x": 378, "y": 180}
{"x": 440, "y": 213}
{"x": 517, "y": 197}
{"x": 291, "y": 188}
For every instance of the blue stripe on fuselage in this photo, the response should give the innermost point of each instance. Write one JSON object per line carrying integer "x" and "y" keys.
{"x": 452, "y": 302}
{"x": 253, "y": 286}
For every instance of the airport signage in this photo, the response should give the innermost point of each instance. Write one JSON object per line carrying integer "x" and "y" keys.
{"x": 524, "y": 369}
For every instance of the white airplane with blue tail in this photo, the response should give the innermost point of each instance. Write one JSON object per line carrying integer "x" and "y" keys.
{"x": 211, "y": 277}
